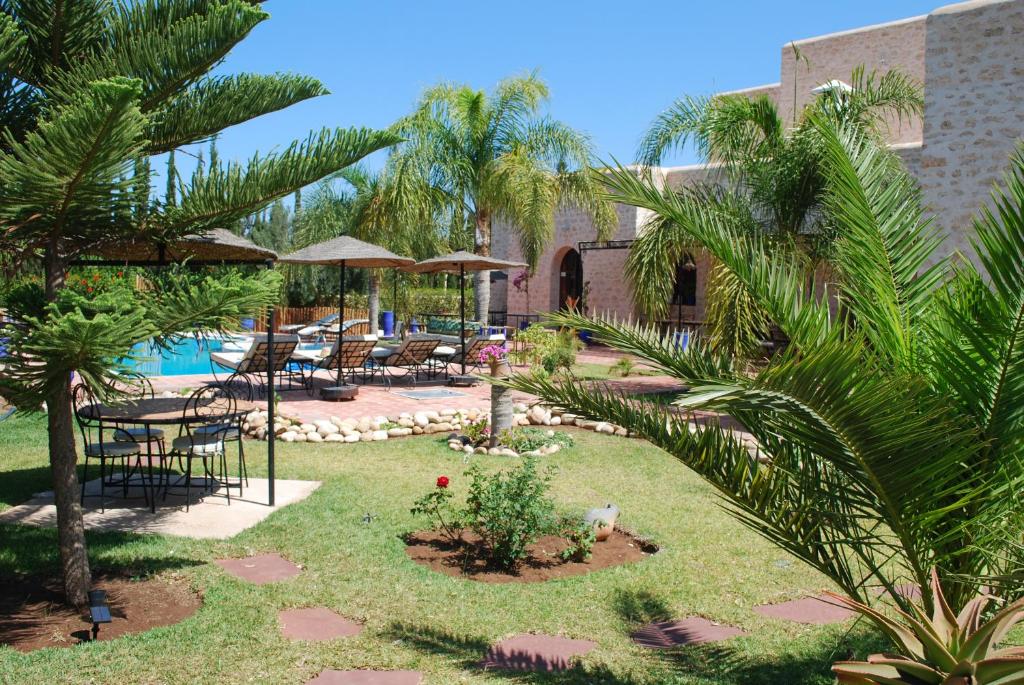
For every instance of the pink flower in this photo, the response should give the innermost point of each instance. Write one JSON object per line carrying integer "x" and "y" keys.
{"x": 491, "y": 353}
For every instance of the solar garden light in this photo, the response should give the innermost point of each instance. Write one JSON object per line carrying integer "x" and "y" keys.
{"x": 98, "y": 610}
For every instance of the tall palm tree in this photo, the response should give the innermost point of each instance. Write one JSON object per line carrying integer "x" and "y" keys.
{"x": 497, "y": 157}
{"x": 394, "y": 208}
{"x": 767, "y": 172}
{"x": 89, "y": 91}
{"x": 889, "y": 442}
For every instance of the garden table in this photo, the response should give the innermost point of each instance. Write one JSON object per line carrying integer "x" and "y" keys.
{"x": 158, "y": 411}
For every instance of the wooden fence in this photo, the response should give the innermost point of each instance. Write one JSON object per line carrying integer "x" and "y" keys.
{"x": 296, "y": 315}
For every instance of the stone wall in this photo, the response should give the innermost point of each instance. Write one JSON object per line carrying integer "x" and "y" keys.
{"x": 898, "y": 44}
{"x": 974, "y": 108}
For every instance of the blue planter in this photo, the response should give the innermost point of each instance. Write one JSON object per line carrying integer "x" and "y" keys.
{"x": 586, "y": 336}
{"x": 414, "y": 327}
{"x": 388, "y": 321}
{"x": 248, "y": 324}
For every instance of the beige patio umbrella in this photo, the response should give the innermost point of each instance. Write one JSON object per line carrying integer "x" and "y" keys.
{"x": 216, "y": 245}
{"x": 460, "y": 262}
{"x": 346, "y": 251}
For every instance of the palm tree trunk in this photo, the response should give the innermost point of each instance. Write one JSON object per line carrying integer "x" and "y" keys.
{"x": 482, "y": 279}
{"x": 373, "y": 300}
{"x": 74, "y": 558}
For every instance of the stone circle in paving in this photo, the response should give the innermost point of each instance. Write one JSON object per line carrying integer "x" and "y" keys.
{"x": 367, "y": 678}
{"x": 316, "y": 624}
{"x": 536, "y": 653}
{"x": 688, "y": 631}
{"x": 813, "y": 610}
{"x": 260, "y": 569}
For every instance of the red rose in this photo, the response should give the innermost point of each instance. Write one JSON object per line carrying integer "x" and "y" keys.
{"x": 442, "y": 482}
{"x": 84, "y": 282}
{"x": 89, "y": 289}
{"x": 95, "y": 277}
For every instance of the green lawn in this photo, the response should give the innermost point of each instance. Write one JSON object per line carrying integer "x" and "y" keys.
{"x": 416, "y": 619}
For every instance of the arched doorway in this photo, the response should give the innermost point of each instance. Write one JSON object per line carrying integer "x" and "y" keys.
{"x": 570, "y": 278}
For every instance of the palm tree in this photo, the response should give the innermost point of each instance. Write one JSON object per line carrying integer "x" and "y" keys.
{"x": 89, "y": 92}
{"x": 768, "y": 175}
{"x": 393, "y": 208}
{"x": 890, "y": 441}
{"x": 497, "y": 157}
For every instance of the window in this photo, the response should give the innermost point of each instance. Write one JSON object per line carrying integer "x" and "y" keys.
{"x": 685, "y": 291}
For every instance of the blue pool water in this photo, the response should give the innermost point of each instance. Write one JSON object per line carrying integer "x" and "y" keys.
{"x": 186, "y": 356}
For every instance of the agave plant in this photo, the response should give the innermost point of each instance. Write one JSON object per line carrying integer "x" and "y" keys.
{"x": 890, "y": 439}
{"x": 943, "y": 649}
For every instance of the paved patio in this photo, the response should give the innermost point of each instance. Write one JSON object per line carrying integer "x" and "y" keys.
{"x": 376, "y": 400}
{"x": 209, "y": 516}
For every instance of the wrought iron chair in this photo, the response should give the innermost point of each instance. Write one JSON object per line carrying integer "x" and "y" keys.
{"x": 138, "y": 387}
{"x": 100, "y": 445}
{"x": 209, "y": 420}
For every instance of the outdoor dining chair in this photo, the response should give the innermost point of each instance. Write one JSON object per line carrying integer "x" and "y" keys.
{"x": 249, "y": 368}
{"x": 99, "y": 444}
{"x": 135, "y": 386}
{"x": 351, "y": 355}
{"x": 208, "y": 422}
{"x": 411, "y": 357}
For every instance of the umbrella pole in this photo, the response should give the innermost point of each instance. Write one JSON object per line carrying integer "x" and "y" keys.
{"x": 341, "y": 314}
{"x": 271, "y": 404}
{"x": 462, "y": 309}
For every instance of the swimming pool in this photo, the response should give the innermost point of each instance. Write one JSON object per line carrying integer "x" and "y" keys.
{"x": 187, "y": 355}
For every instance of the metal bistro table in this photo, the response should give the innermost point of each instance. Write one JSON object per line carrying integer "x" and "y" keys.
{"x": 158, "y": 411}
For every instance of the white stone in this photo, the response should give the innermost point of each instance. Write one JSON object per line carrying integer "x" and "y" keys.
{"x": 334, "y": 437}
{"x": 519, "y": 408}
{"x": 336, "y": 420}
{"x": 261, "y": 433}
{"x": 494, "y": 451}
{"x": 420, "y": 420}
{"x": 365, "y": 425}
{"x": 396, "y": 432}
{"x": 509, "y": 452}
{"x": 406, "y": 423}
{"x": 432, "y": 415}
{"x": 380, "y": 435}
{"x": 352, "y": 437}
{"x": 256, "y": 420}
{"x": 481, "y": 450}
{"x": 366, "y": 436}
{"x": 455, "y": 445}
{"x": 447, "y": 412}
{"x": 605, "y": 428}
{"x": 417, "y": 430}
{"x": 307, "y": 428}
{"x": 301, "y": 437}
{"x": 555, "y": 421}
{"x": 328, "y": 429}
{"x": 621, "y": 432}
{"x": 468, "y": 449}
{"x": 314, "y": 437}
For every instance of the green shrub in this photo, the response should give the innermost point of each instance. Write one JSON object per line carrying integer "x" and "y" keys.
{"x": 624, "y": 367}
{"x": 510, "y": 510}
{"x": 528, "y": 439}
{"x": 581, "y": 538}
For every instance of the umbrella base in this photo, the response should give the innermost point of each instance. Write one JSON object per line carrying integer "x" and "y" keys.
{"x": 463, "y": 381}
{"x": 338, "y": 393}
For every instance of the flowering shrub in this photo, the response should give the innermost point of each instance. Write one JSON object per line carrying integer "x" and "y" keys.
{"x": 521, "y": 281}
{"x": 581, "y": 537}
{"x": 437, "y": 506}
{"x": 492, "y": 354}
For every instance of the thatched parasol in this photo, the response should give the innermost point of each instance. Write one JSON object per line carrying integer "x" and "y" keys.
{"x": 346, "y": 251}
{"x": 460, "y": 262}
{"x": 217, "y": 245}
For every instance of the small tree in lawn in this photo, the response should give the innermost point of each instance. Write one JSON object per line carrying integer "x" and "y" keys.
{"x": 90, "y": 91}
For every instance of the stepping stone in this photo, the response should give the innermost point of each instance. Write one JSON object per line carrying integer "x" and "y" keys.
{"x": 260, "y": 569}
{"x": 814, "y": 610}
{"x": 367, "y": 678}
{"x": 316, "y": 624}
{"x": 689, "y": 631}
{"x": 536, "y": 653}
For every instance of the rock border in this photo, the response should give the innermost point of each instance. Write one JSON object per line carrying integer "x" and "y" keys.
{"x": 428, "y": 422}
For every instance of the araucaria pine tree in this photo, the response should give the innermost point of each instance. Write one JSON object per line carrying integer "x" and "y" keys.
{"x": 89, "y": 91}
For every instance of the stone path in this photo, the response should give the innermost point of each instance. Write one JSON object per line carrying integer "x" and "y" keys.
{"x": 536, "y": 653}
{"x": 260, "y": 569}
{"x": 316, "y": 624}
{"x": 688, "y": 631}
{"x": 367, "y": 678}
{"x": 811, "y": 610}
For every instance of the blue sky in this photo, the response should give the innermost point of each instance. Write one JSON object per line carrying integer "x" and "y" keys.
{"x": 611, "y": 66}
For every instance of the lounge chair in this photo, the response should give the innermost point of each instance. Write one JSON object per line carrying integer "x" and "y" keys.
{"x": 449, "y": 355}
{"x": 350, "y": 355}
{"x": 319, "y": 325}
{"x": 348, "y": 327}
{"x": 412, "y": 357}
{"x": 250, "y": 368}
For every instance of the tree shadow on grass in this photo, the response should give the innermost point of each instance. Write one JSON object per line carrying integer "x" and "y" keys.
{"x": 33, "y": 550}
{"x": 714, "y": 664}
{"x": 19, "y": 485}
{"x": 722, "y": 663}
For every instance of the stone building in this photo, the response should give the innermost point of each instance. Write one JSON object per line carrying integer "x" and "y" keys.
{"x": 968, "y": 56}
